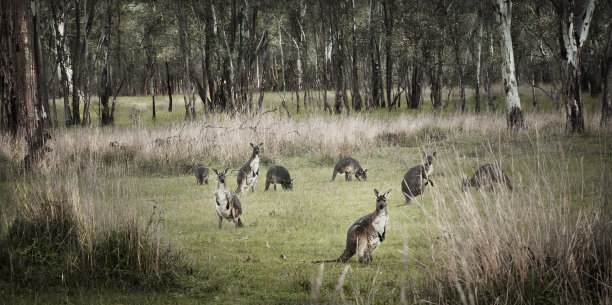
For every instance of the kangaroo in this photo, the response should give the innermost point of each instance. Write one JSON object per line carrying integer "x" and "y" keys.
{"x": 366, "y": 234}
{"x": 487, "y": 174}
{"x": 247, "y": 176}
{"x": 417, "y": 177}
{"x": 278, "y": 174}
{"x": 201, "y": 174}
{"x": 348, "y": 166}
{"x": 228, "y": 205}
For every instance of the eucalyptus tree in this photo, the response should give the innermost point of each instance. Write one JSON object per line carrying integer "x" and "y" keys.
{"x": 514, "y": 113}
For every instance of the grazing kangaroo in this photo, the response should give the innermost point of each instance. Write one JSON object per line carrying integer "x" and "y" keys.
{"x": 366, "y": 234}
{"x": 278, "y": 174}
{"x": 417, "y": 177}
{"x": 247, "y": 176}
{"x": 487, "y": 174}
{"x": 201, "y": 174}
{"x": 348, "y": 166}
{"x": 228, "y": 205}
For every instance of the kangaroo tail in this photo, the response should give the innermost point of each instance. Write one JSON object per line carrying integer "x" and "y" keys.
{"x": 508, "y": 183}
{"x": 342, "y": 259}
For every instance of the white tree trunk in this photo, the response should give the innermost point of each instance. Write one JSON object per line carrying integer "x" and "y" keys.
{"x": 573, "y": 40}
{"x": 514, "y": 113}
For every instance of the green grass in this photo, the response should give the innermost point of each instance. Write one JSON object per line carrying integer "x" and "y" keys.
{"x": 244, "y": 265}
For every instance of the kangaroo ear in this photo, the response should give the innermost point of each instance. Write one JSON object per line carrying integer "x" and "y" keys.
{"x": 425, "y": 155}
{"x": 252, "y": 145}
{"x": 260, "y": 145}
{"x": 434, "y": 154}
{"x": 387, "y": 194}
{"x": 376, "y": 193}
{"x": 216, "y": 172}
{"x": 225, "y": 171}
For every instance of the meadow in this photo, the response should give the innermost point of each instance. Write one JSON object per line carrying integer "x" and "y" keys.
{"x": 548, "y": 241}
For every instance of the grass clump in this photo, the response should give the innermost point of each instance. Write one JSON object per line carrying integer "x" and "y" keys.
{"x": 49, "y": 244}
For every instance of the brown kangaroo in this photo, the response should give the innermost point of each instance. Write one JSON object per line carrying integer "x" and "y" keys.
{"x": 278, "y": 174}
{"x": 247, "y": 176}
{"x": 487, "y": 174}
{"x": 228, "y": 205}
{"x": 417, "y": 177}
{"x": 348, "y": 167}
{"x": 366, "y": 234}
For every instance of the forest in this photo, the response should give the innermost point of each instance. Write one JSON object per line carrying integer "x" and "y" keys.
{"x": 108, "y": 109}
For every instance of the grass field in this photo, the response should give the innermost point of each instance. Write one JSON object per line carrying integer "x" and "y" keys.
{"x": 444, "y": 247}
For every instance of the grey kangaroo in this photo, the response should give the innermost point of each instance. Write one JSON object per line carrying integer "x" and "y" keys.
{"x": 487, "y": 174}
{"x": 278, "y": 174}
{"x": 201, "y": 174}
{"x": 247, "y": 176}
{"x": 228, "y": 205}
{"x": 348, "y": 167}
{"x": 366, "y": 234}
{"x": 417, "y": 177}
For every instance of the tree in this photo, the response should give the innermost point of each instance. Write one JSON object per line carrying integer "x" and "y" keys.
{"x": 606, "y": 106}
{"x": 25, "y": 112}
{"x": 514, "y": 114}
{"x": 572, "y": 40}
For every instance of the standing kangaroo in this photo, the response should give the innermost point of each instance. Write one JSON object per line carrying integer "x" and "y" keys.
{"x": 247, "y": 176}
{"x": 228, "y": 205}
{"x": 201, "y": 174}
{"x": 278, "y": 174}
{"x": 417, "y": 177}
{"x": 366, "y": 234}
{"x": 487, "y": 174}
{"x": 349, "y": 166}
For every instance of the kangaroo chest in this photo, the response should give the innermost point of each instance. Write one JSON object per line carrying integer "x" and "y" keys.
{"x": 378, "y": 224}
{"x": 428, "y": 170}
{"x": 251, "y": 178}
{"x": 222, "y": 197}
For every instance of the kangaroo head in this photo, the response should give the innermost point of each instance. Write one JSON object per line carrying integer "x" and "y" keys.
{"x": 381, "y": 200}
{"x": 362, "y": 173}
{"x": 429, "y": 158}
{"x": 288, "y": 184}
{"x": 221, "y": 175}
{"x": 256, "y": 148}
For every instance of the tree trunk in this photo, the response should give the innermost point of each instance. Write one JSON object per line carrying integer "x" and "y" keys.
{"x": 76, "y": 116}
{"x": 184, "y": 47}
{"x": 169, "y": 87}
{"x": 355, "y": 96}
{"x": 606, "y": 105}
{"x": 21, "y": 82}
{"x": 105, "y": 90}
{"x": 337, "y": 58}
{"x": 514, "y": 114}
{"x": 375, "y": 57}
{"x": 478, "y": 60}
{"x": 59, "y": 26}
{"x": 571, "y": 45}
{"x": 388, "y": 7}
{"x": 487, "y": 78}
{"x": 416, "y": 86}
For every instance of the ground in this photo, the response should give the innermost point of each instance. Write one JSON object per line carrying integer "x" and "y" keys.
{"x": 269, "y": 261}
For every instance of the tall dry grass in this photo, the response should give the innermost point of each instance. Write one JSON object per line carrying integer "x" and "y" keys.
{"x": 224, "y": 142}
{"x": 77, "y": 229}
{"x": 548, "y": 241}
